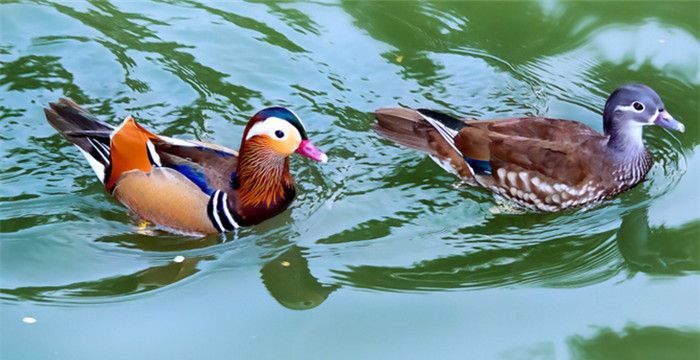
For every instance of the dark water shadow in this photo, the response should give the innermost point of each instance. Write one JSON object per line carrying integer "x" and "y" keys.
{"x": 295, "y": 19}
{"x": 38, "y": 72}
{"x": 109, "y": 289}
{"x": 637, "y": 343}
{"x": 159, "y": 241}
{"x": 535, "y": 29}
{"x": 269, "y": 35}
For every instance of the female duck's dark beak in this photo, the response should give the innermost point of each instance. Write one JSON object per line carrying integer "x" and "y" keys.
{"x": 306, "y": 148}
{"x": 664, "y": 119}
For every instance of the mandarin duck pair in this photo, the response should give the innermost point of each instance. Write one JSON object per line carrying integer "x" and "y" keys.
{"x": 538, "y": 163}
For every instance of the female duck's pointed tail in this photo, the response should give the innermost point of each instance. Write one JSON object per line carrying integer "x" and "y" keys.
{"x": 427, "y": 131}
{"x": 84, "y": 130}
{"x": 421, "y": 129}
{"x": 405, "y": 127}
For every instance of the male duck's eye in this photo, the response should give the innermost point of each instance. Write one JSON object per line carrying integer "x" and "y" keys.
{"x": 279, "y": 134}
{"x": 638, "y": 106}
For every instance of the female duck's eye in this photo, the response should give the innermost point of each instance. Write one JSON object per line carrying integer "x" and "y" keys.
{"x": 638, "y": 106}
{"x": 279, "y": 134}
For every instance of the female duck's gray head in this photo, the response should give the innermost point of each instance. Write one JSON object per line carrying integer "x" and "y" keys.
{"x": 633, "y": 106}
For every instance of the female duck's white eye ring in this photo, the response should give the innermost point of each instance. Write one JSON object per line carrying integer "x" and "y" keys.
{"x": 637, "y": 106}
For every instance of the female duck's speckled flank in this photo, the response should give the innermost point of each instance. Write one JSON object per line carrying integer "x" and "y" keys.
{"x": 539, "y": 163}
{"x": 189, "y": 186}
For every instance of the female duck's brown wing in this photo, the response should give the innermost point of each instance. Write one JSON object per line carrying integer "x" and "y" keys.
{"x": 540, "y": 128}
{"x": 561, "y": 162}
{"x": 544, "y": 145}
{"x": 547, "y": 164}
{"x": 465, "y": 145}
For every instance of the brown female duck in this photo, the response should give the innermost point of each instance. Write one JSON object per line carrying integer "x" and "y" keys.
{"x": 189, "y": 186}
{"x": 539, "y": 163}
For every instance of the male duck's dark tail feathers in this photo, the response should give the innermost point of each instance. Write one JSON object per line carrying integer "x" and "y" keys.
{"x": 84, "y": 130}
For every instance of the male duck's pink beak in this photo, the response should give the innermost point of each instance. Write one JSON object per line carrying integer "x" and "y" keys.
{"x": 306, "y": 148}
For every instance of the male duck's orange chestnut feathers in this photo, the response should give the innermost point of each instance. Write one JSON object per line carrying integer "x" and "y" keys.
{"x": 539, "y": 163}
{"x": 189, "y": 186}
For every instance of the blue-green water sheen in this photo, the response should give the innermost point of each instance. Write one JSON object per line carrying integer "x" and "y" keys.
{"x": 383, "y": 255}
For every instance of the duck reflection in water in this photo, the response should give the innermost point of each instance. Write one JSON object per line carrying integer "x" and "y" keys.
{"x": 569, "y": 260}
{"x": 658, "y": 250}
{"x": 636, "y": 342}
{"x": 139, "y": 282}
{"x": 288, "y": 279}
{"x": 287, "y": 276}
{"x": 512, "y": 250}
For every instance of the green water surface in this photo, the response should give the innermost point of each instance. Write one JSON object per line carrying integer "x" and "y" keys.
{"x": 383, "y": 255}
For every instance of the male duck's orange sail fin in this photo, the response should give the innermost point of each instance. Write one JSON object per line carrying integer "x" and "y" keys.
{"x": 131, "y": 149}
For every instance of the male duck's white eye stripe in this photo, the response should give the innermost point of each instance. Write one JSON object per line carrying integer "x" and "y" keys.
{"x": 269, "y": 126}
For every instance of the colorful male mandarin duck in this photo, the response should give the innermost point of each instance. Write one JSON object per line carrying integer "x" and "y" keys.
{"x": 188, "y": 186}
{"x": 539, "y": 163}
